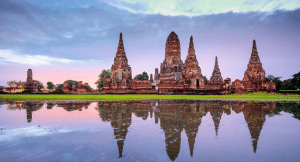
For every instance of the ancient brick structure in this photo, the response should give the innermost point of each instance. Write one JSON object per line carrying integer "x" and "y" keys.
{"x": 254, "y": 77}
{"x": 80, "y": 89}
{"x": 170, "y": 76}
{"x": 156, "y": 77}
{"x": 172, "y": 66}
{"x": 192, "y": 72}
{"x": 31, "y": 85}
{"x": 176, "y": 77}
{"x": 216, "y": 74}
{"x": 121, "y": 76}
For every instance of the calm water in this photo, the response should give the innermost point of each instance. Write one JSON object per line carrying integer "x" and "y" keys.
{"x": 150, "y": 130}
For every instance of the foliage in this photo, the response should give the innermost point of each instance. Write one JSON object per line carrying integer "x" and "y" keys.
{"x": 50, "y": 85}
{"x": 70, "y": 83}
{"x": 296, "y": 80}
{"x": 59, "y": 87}
{"x": 1, "y": 87}
{"x": 292, "y": 108}
{"x": 204, "y": 77}
{"x": 289, "y": 84}
{"x": 14, "y": 83}
{"x": 40, "y": 85}
{"x": 143, "y": 76}
{"x": 100, "y": 81}
{"x": 90, "y": 88}
{"x": 50, "y": 106}
{"x": 276, "y": 80}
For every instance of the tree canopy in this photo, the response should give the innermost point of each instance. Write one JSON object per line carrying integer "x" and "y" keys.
{"x": 100, "y": 81}
{"x": 50, "y": 85}
{"x": 14, "y": 83}
{"x": 143, "y": 76}
{"x": 289, "y": 84}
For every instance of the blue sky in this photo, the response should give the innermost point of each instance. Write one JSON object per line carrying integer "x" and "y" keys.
{"x": 62, "y": 40}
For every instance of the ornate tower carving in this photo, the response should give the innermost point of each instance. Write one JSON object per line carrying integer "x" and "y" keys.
{"x": 120, "y": 70}
{"x": 254, "y": 71}
{"x": 172, "y": 65}
{"x": 216, "y": 74}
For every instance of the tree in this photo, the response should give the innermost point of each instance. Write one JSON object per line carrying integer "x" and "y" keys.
{"x": 40, "y": 85}
{"x": 100, "y": 81}
{"x": 15, "y": 83}
{"x": 296, "y": 80}
{"x": 276, "y": 80}
{"x": 204, "y": 77}
{"x": 287, "y": 85}
{"x": 143, "y": 76}
{"x": 50, "y": 85}
{"x": 59, "y": 87}
{"x": 11, "y": 83}
{"x": 70, "y": 83}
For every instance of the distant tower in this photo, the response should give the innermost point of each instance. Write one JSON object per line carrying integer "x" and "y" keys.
{"x": 29, "y": 75}
{"x": 216, "y": 74}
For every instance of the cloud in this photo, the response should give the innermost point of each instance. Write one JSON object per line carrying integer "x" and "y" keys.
{"x": 205, "y": 7}
{"x": 13, "y": 57}
{"x": 13, "y": 134}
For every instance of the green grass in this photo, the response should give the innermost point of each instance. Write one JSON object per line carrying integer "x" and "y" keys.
{"x": 261, "y": 97}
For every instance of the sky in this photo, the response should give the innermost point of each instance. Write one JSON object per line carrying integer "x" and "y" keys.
{"x": 72, "y": 39}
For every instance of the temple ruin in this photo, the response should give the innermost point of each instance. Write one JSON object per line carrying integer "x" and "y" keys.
{"x": 121, "y": 81}
{"x": 254, "y": 77}
{"x": 31, "y": 85}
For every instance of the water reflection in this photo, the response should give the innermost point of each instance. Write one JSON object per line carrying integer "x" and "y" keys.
{"x": 174, "y": 116}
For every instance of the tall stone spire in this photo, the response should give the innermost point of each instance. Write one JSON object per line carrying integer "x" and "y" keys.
{"x": 191, "y": 51}
{"x": 29, "y": 75}
{"x": 254, "y": 70}
{"x": 192, "y": 69}
{"x": 121, "y": 50}
{"x": 172, "y": 48}
{"x": 216, "y": 74}
{"x": 120, "y": 69}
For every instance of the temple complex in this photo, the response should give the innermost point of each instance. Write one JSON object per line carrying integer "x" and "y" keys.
{"x": 178, "y": 78}
{"x": 254, "y": 76}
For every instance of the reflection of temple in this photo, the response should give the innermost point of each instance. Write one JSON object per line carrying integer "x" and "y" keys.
{"x": 31, "y": 106}
{"x": 176, "y": 115}
{"x": 120, "y": 117}
{"x": 255, "y": 116}
{"x": 216, "y": 113}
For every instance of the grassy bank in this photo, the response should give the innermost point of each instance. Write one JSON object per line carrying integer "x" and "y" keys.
{"x": 261, "y": 97}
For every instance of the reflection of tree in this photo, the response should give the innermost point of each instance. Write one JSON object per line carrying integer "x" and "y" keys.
{"x": 292, "y": 108}
{"x": 71, "y": 106}
{"x": 50, "y": 105}
{"x": 255, "y": 116}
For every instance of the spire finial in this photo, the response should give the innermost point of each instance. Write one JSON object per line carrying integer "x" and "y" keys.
{"x": 121, "y": 50}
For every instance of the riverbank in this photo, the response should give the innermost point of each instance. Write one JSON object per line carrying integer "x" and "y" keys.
{"x": 261, "y": 97}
